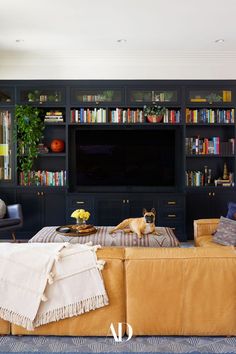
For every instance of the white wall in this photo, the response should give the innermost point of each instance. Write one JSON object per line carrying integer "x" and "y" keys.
{"x": 118, "y": 65}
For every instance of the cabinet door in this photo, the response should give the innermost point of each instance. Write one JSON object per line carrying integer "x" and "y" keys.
{"x": 80, "y": 201}
{"x": 54, "y": 208}
{"x": 110, "y": 211}
{"x": 31, "y": 203}
{"x": 220, "y": 200}
{"x": 136, "y": 205}
{"x": 197, "y": 207}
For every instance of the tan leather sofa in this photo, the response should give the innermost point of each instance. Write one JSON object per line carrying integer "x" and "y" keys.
{"x": 168, "y": 291}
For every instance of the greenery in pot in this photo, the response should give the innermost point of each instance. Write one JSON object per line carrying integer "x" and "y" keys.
{"x": 154, "y": 110}
{"x": 28, "y": 134}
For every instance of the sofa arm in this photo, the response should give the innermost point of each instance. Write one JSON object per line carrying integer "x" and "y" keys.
{"x": 204, "y": 227}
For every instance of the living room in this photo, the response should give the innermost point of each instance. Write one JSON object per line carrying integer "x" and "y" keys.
{"x": 117, "y": 128}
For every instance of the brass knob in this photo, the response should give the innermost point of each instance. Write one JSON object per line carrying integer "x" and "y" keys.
{"x": 171, "y": 202}
{"x": 171, "y": 215}
{"x": 127, "y": 201}
{"x": 123, "y": 201}
{"x": 209, "y": 194}
{"x": 42, "y": 193}
{"x": 213, "y": 194}
{"x": 38, "y": 193}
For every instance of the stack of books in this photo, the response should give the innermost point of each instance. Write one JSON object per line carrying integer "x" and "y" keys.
{"x": 53, "y": 117}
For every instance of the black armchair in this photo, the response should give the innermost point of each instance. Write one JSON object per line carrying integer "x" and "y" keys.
{"x": 13, "y": 220}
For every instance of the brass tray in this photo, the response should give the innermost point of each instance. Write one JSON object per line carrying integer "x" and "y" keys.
{"x": 73, "y": 233}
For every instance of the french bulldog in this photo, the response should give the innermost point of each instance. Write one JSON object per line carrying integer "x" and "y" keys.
{"x": 141, "y": 226}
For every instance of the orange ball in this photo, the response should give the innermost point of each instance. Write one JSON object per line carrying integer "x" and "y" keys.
{"x": 57, "y": 145}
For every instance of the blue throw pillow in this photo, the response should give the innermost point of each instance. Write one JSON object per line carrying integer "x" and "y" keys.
{"x": 231, "y": 211}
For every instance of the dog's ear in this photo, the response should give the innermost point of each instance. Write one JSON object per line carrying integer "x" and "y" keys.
{"x": 144, "y": 211}
{"x": 153, "y": 211}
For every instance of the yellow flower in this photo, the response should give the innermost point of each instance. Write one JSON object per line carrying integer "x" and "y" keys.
{"x": 80, "y": 214}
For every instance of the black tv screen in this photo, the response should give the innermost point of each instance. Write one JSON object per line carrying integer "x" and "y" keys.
{"x": 125, "y": 158}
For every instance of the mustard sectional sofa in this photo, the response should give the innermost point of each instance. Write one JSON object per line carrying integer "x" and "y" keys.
{"x": 203, "y": 232}
{"x": 158, "y": 291}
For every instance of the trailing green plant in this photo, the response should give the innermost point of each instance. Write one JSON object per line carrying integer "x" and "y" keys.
{"x": 28, "y": 134}
{"x": 154, "y": 110}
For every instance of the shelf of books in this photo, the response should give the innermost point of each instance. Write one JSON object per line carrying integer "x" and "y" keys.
{"x": 152, "y": 95}
{"x": 43, "y": 178}
{"x": 96, "y": 96}
{"x": 121, "y": 116}
{"x": 210, "y": 96}
{"x": 5, "y": 145}
{"x": 209, "y": 116}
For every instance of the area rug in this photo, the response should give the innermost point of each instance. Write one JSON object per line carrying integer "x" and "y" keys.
{"x": 164, "y": 345}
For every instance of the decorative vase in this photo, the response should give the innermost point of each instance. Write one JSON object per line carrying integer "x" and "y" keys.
{"x": 80, "y": 221}
{"x": 154, "y": 119}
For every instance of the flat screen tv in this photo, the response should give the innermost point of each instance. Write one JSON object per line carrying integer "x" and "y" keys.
{"x": 124, "y": 159}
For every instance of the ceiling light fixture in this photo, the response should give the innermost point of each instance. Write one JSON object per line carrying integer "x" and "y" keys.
{"x": 19, "y": 40}
{"x": 219, "y": 40}
{"x": 122, "y": 40}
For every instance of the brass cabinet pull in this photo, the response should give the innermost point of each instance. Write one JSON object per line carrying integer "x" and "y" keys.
{"x": 213, "y": 194}
{"x": 38, "y": 193}
{"x": 127, "y": 201}
{"x": 171, "y": 215}
{"x": 79, "y": 202}
{"x": 171, "y": 202}
{"x": 123, "y": 201}
{"x": 209, "y": 194}
{"x": 42, "y": 193}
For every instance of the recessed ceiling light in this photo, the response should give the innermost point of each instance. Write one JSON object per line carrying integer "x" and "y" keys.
{"x": 219, "y": 40}
{"x": 121, "y": 40}
{"x": 19, "y": 40}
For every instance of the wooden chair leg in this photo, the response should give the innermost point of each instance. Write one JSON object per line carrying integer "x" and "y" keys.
{"x": 13, "y": 236}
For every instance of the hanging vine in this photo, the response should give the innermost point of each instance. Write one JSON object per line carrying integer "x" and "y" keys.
{"x": 28, "y": 134}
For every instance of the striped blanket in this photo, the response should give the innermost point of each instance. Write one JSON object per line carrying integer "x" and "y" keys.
{"x": 119, "y": 239}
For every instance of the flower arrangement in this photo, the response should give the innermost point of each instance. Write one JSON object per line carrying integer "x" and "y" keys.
{"x": 154, "y": 113}
{"x": 80, "y": 215}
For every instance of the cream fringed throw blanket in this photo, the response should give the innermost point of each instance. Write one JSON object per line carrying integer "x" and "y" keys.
{"x": 41, "y": 283}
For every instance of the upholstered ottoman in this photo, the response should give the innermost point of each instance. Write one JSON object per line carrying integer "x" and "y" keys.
{"x": 104, "y": 238}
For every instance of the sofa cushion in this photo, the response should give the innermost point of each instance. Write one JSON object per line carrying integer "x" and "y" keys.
{"x": 226, "y": 232}
{"x": 231, "y": 211}
{"x": 9, "y": 222}
{"x": 5, "y": 327}
{"x": 177, "y": 292}
{"x": 206, "y": 241}
{"x": 3, "y": 209}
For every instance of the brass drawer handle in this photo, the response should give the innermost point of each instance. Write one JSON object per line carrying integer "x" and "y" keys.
{"x": 78, "y": 202}
{"x": 171, "y": 215}
{"x": 171, "y": 203}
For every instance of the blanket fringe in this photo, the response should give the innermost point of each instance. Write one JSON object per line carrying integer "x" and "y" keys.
{"x": 17, "y": 319}
{"x": 75, "y": 309}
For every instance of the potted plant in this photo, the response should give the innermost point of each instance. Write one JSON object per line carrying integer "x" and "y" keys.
{"x": 154, "y": 114}
{"x": 28, "y": 134}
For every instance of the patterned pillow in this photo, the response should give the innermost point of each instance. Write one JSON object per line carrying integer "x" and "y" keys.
{"x": 226, "y": 232}
{"x": 231, "y": 211}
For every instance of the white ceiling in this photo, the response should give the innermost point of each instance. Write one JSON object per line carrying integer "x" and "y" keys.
{"x": 81, "y": 29}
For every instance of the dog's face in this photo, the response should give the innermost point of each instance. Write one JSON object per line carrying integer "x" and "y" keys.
{"x": 149, "y": 216}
